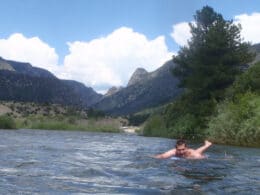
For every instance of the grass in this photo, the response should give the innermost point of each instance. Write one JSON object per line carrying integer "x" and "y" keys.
{"x": 68, "y": 123}
{"x": 22, "y": 115}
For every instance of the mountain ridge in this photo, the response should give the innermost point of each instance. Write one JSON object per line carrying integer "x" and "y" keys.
{"x": 31, "y": 84}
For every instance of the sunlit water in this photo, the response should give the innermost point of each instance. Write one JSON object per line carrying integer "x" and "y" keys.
{"x": 65, "y": 162}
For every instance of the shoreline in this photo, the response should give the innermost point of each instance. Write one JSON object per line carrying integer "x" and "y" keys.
{"x": 130, "y": 129}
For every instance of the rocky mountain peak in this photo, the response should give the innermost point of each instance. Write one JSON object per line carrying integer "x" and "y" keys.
{"x": 113, "y": 90}
{"x": 137, "y": 76}
{"x": 5, "y": 66}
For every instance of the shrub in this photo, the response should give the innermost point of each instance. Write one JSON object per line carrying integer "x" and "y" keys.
{"x": 187, "y": 118}
{"x": 155, "y": 126}
{"x": 95, "y": 113}
{"x": 186, "y": 126}
{"x": 7, "y": 122}
{"x": 237, "y": 122}
{"x": 248, "y": 81}
{"x": 137, "y": 119}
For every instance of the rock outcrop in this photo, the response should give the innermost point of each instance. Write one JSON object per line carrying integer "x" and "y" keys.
{"x": 112, "y": 91}
{"x": 138, "y": 75}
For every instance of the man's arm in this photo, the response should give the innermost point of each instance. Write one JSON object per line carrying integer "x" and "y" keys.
{"x": 167, "y": 154}
{"x": 206, "y": 145}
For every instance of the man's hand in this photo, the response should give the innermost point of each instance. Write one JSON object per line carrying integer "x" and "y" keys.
{"x": 207, "y": 143}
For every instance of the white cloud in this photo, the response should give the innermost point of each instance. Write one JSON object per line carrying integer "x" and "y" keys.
{"x": 111, "y": 60}
{"x": 181, "y": 33}
{"x": 249, "y": 22}
{"x": 20, "y": 48}
{"x": 99, "y": 63}
{"x": 250, "y": 26}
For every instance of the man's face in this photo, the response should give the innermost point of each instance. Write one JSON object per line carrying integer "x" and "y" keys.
{"x": 181, "y": 150}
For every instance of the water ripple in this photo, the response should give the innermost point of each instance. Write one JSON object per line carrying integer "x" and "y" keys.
{"x": 57, "y": 162}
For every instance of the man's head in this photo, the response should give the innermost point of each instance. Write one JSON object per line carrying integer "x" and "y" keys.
{"x": 181, "y": 147}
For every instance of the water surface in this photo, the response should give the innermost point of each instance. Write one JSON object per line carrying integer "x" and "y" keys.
{"x": 65, "y": 162}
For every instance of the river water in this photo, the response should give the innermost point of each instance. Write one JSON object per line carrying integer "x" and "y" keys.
{"x": 68, "y": 162}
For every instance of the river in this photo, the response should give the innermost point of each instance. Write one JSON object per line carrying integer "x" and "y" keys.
{"x": 73, "y": 162}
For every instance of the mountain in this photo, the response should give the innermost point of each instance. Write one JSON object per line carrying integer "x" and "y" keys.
{"x": 5, "y": 66}
{"x": 113, "y": 90}
{"x": 23, "y": 82}
{"x": 87, "y": 96}
{"x": 144, "y": 90}
{"x": 137, "y": 76}
{"x": 256, "y": 48}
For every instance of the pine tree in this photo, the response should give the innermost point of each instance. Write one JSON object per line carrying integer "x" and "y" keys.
{"x": 214, "y": 56}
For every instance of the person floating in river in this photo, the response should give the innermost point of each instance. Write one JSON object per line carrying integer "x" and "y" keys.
{"x": 181, "y": 150}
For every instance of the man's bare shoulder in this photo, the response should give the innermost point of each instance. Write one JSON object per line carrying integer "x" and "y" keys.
{"x": 173, "y": 151}
{"x": 191, "y": 150}
{"x": 194, "y": 154}
{"x": 167, "y": 154}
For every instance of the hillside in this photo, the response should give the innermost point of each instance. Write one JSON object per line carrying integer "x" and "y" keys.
{"x": 30, "y": 115}
{"x": 25, "y": 83}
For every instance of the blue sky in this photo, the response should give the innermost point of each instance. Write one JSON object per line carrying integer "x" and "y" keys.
{"x": 102, "y": 42}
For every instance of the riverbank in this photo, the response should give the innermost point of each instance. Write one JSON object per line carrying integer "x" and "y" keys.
{"x": 233, "y": 119}
{"x": 17, "y": 115}
{"x": 130, "y": 129}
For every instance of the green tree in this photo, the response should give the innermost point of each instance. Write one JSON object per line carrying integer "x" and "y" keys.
{"x": 214, "y": 56}
{"x": 248, "y": 81}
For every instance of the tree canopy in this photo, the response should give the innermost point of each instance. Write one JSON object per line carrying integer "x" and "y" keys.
{"x": 214, "y": 56}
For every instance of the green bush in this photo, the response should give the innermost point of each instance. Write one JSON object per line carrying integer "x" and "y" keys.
{"x": 155, "y": 126}
{"x": 186, "y": 126}
{"x": 187, "y": 118}
{"x": 137, "y": 119}
{"x": 237, "y": 122}
{"x": 248, "y": 81}
{"x": 7, "y": 122}
{"x": 95, "y": 113}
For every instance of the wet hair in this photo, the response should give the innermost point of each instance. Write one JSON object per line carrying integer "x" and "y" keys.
{"x": 180, "y": 142}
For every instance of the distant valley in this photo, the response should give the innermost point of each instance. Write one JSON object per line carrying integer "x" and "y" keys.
{"x": 144, "y": 90}
{"x": 24, "y": 83}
